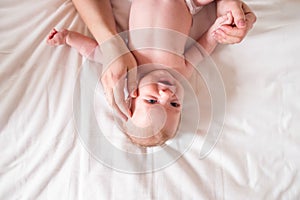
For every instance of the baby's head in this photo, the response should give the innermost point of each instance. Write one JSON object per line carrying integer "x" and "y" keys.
{"x": 156, "y": 107}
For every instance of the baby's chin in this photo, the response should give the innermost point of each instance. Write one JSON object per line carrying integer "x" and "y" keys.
{"x": 155, "y": 140}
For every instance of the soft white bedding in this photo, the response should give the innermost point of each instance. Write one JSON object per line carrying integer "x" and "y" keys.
{"x": 43, "y": 157}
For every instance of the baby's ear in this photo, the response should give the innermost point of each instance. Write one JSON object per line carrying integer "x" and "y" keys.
{"x": 134, "y": 93}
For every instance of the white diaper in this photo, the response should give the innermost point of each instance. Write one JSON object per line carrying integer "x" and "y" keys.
{"x": 192, "y": 7}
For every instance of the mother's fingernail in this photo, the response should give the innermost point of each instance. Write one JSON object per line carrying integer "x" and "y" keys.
{"x": 242, "y": 22}
{"x": 130, "y": 113}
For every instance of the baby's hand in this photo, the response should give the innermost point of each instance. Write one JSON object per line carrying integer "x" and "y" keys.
{"x": 57, "y": 37}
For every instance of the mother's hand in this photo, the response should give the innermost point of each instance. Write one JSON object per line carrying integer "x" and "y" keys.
{"x": 243, "y": 20}
{"x": 118, "y": 60}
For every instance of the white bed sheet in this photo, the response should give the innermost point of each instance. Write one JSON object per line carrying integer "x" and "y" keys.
{"x": 42, "y": 156}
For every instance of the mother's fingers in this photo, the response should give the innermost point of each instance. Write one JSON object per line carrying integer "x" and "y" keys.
{"x": 244, "y": 19}
{"x": 221, "y": 37}
{"x": 114, "y": 92}
{"x": 250, "y": 20}
{"x": 238, "y": 15}
{"x": 249, "y": 16}
{"x": 119, "y": 99}
{"x": 227, "y": 34}
{"x": 111, "y": 100}
{"x": 234, "y": 31}
{"x": 121, "y": 109}
{"x": 132, "y": 80}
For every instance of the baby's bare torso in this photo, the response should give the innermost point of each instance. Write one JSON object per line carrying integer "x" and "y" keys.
{"x": 158, "y": 32}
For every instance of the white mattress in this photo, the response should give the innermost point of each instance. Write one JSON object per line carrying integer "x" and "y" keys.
{"x": 44, "y": 157}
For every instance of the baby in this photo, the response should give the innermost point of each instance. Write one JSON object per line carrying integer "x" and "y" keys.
{"x": 156, "y": 104}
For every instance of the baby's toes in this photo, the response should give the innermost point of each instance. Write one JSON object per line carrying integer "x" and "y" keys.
{"x": 52, "y": 33}
{"x": 50, "y": 42}
{"x": 228, "y": 19}
{"x": 223, "y": 20}
{"x": 220, "y": 21}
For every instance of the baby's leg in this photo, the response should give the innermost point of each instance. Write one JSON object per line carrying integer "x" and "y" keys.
{"x": 83, "y": 44}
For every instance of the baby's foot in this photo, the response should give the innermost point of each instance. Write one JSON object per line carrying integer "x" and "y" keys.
{"x": 223, "y": 20}
{"x": 216, "y": 30}
{"x": 57, "y": 37}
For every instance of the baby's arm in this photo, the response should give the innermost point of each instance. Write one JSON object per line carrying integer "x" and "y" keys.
{"x": 83, "y": 44}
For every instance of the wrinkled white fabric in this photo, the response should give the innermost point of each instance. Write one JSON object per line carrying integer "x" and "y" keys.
{"x": 42, "y": 156}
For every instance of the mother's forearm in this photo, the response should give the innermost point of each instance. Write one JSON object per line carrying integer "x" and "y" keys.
{"x": 98, "y": 16}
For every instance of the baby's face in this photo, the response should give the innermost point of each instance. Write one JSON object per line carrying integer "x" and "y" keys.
{"x": 157, "y": 106}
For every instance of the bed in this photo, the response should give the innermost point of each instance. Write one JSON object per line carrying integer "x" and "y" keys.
{"x": 43, "y": 156}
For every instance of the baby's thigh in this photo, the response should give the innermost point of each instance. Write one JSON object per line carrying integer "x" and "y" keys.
{"x": 168, "y": 14}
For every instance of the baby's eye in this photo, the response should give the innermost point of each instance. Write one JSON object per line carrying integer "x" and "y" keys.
{"x": 151, "y": 101}
{"x": 174, "y": 104}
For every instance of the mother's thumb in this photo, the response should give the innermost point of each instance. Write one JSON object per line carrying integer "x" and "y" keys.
{"x": 239, "y": 17}
{"x": 132, "y": 80}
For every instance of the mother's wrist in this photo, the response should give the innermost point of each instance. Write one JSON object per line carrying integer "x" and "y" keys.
{"x": 113, "y": 48}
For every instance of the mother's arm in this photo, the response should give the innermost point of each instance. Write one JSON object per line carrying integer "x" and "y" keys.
{"x": 98, "y": 16}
